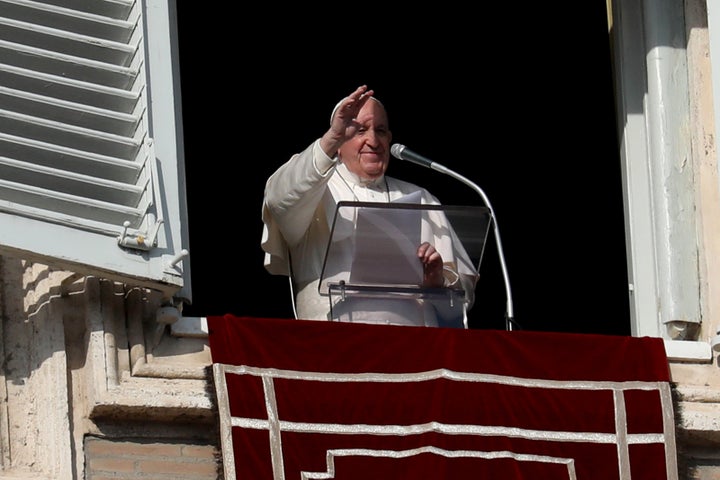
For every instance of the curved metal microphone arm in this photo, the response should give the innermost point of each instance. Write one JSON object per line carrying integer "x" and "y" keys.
{"x": 510, "y": 316}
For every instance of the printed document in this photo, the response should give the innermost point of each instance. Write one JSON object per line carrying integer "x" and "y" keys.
{"x": 386, "y": 242}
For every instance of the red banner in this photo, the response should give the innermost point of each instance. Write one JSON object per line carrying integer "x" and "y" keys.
{"x": 324, "y": 400}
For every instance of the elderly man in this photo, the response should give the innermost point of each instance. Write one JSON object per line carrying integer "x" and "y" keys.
{"x": 348, "y": 163}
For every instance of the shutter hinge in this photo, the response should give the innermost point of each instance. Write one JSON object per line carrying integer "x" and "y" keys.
{"x": 139, "y": 240}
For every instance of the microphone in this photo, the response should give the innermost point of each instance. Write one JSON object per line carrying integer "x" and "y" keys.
{"x": 401, "y": 152}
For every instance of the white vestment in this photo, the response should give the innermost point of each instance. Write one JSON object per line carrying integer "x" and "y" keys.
{"x": 300, "y": 203}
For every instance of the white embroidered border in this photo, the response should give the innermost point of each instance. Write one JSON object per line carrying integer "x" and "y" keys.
{"x": 275, "y": 426}
{"x": 361, "y": 452}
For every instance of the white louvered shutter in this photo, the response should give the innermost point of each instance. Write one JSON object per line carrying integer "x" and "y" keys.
{"x": 91, "y": 163}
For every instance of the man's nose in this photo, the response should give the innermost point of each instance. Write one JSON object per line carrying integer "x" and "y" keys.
{"x": 373, "y": 138}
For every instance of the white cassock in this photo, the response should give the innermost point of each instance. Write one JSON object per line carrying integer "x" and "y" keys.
{"x": 300, "y": 204}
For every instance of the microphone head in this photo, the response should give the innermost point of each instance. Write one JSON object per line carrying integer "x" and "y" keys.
{"x": 396, "y": 150}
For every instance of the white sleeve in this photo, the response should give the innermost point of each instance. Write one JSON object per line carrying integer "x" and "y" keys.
{"x": 292, "y": 194}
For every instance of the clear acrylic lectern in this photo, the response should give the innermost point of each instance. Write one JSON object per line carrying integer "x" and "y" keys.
{"x": 371, "y": 272}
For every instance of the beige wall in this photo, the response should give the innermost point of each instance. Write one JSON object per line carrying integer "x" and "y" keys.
{"x": 85, "y": 362}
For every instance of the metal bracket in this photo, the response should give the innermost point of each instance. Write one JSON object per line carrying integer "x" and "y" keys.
{"x": 172, "y": 263}
{"x": 139, "y": 240}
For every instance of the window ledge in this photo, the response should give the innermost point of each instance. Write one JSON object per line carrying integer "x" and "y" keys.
{"x": 688, "y": 351}
{"x": 190, "y": 327}
{"x": 676, "y": 350}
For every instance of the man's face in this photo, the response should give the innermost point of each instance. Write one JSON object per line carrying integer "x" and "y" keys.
{"x": 367, "y": 154}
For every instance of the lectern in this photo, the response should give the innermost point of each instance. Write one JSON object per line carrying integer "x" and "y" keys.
{"x": 371, "y": 272}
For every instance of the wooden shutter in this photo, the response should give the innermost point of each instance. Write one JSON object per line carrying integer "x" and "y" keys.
{"x": 91, "y": 164}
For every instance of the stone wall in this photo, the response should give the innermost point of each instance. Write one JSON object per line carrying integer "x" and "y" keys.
{"x": 85, "y": 362}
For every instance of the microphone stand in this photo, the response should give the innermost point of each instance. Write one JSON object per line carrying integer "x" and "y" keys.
{"x": 510, "y": 316}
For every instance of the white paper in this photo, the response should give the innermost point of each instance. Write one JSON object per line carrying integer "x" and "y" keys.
{"x": 386, "y": 246}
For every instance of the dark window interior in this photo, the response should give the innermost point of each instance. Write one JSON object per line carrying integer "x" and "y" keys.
{"x": 517, "y": 98}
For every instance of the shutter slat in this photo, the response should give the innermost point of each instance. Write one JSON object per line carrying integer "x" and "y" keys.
{"x": 70, "y": 183}
{"x": 41, "y": 153}
{"x": 69, "y": 206}
{"x": 66, "y": 66}
{"x": 61, "y": 18}
{"x": 118, "y": 9}
{"x": 68, "y": 112}
{"x": 70, "y": 136}
{"x": 57, "y": 86}
{"x": 61, "y": 41}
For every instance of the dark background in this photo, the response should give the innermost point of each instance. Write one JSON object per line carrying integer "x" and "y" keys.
{"x": 517, "y": 98}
